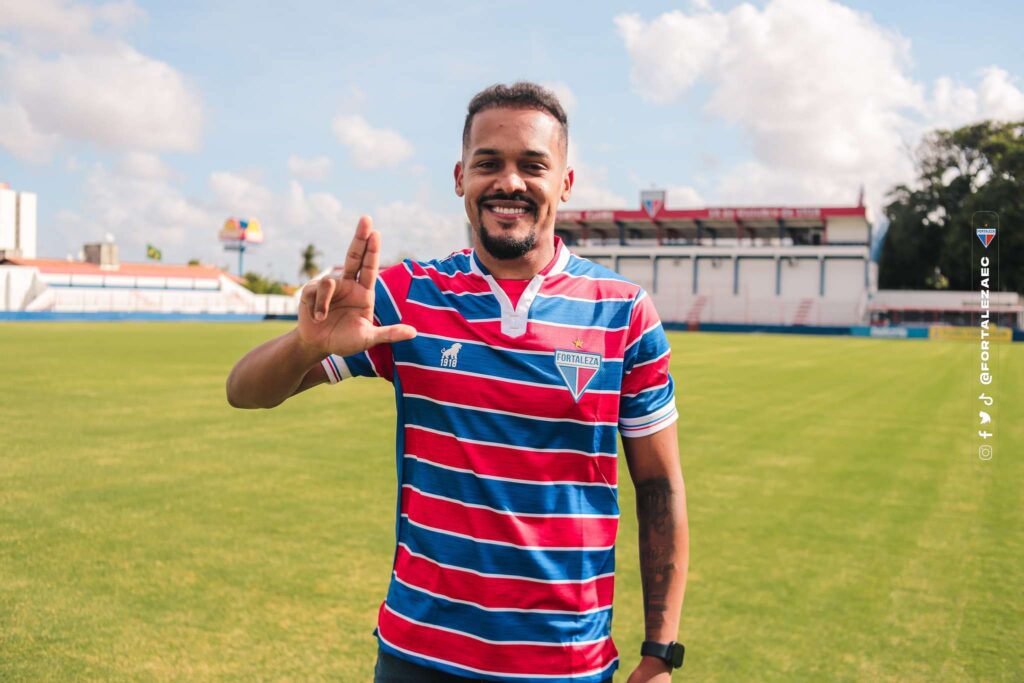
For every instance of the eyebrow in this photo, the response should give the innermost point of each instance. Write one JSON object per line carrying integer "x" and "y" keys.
{"x": 489, "y": 151}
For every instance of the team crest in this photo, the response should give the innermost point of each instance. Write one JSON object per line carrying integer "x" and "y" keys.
{"x": 986, "y": 235}
{"x": 578, "y": 369}
{"x": 653, "y": 202}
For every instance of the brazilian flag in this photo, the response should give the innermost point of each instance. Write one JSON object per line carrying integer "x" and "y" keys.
{"x": 153, "y": 253}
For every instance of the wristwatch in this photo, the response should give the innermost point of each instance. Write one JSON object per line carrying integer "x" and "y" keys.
{"x": 670, "y": 653}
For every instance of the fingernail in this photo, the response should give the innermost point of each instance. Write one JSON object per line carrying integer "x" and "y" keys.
{"x": 319, "y": 316}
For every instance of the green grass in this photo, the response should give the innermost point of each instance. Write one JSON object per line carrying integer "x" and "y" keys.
{"x": 843, "y": 527}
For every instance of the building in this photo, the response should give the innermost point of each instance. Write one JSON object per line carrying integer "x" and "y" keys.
{"x": 17, "y": 223}
{"x": 739, "y": 265}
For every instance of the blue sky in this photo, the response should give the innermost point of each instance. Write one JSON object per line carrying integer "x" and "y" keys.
{"x": 155, "y": 121}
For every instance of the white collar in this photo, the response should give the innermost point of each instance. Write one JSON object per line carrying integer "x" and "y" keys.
{"x": 515, "y": 320}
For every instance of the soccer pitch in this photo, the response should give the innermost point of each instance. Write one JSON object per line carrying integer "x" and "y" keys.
{"x": 841, "y": 527}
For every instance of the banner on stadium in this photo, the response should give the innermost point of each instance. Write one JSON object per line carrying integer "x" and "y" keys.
{"x": 972, "y": 334}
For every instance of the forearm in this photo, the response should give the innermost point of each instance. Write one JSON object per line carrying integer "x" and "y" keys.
{"x": 664, "y": 552}
{"x": 271, "y": 372}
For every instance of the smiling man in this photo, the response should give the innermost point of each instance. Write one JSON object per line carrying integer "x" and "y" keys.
{"x": 515, "y": 366}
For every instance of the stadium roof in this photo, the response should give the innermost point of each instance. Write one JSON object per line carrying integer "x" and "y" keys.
{"x": 653, "y": 219}
{"x": 730, "y": 214}
{"x": 64, "y": 267}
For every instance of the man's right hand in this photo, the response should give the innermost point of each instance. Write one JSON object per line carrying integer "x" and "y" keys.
{"x": 336, "y": 313}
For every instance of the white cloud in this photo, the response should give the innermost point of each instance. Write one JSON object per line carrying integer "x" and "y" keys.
{"x": 683, "y": 197}
{"x": 117, "y": 98}
{"x": 371, "y": 147}
{"x": 20, "y": 137}
{"x": 144, "y": 166}
{"x": 66, "y": 75}
{"x": 315, "y": 169}
{"x": 821, "y": 91}
{"x": 242, "y": 195}
{"x": 139, "y": 210}
{"x": 997, "y": 97}
{"x": 591, "y": 186}
{"x": 64, "y": 26}
{"x": 140, "y": 204}
{"x": 409, "y": 229}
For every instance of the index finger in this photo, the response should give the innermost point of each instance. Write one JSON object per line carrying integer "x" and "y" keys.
{"x": 371, "y": 261}
{"x": 356, "y": 250}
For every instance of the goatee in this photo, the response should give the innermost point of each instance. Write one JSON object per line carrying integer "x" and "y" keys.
{"x": 506, "y": 247}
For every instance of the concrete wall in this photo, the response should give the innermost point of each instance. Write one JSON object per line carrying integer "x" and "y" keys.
{"x": 747, "y": 285}
{"x": 18, "y": 286}
{"x": 848, "y": 229}
{"x": 800, "y": 277}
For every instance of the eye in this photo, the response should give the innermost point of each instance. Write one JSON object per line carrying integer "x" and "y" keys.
{"x": 487, "y": 164}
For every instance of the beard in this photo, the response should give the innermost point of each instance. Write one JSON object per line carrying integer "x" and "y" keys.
{"x": 505, "y": 247}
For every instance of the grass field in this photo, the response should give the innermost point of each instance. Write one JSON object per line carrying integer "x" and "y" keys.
{"x": 842, "y": 528}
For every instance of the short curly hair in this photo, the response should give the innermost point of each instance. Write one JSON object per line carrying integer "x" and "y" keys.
{"x": 519, "y": 95}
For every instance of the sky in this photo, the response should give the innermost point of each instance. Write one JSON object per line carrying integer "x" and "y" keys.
{"x": 153, "y": 122}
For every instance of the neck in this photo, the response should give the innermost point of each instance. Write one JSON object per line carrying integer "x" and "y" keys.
{"x": 522, "y": 268}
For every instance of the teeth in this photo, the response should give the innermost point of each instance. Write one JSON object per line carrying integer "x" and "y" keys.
{"x": 507, "y": 210}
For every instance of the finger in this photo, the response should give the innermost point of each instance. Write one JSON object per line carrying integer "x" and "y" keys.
{"x": 308, "y": 298}
{"x": 324, "y": 292}
{"x": 391, "y": 334}
{"x": 371, "y": 261}
{"x": 354, "y": 258}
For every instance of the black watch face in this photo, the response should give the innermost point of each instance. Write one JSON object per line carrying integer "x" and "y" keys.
{"x": 677, "y": 655}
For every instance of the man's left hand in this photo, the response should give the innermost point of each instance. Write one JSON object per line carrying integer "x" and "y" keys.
{"x": 650, "y": 670}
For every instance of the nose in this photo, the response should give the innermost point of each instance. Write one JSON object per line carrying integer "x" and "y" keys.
{"x": 509, "y": 182}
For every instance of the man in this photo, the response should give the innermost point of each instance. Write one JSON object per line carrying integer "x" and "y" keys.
{"x": 514, "y": 365}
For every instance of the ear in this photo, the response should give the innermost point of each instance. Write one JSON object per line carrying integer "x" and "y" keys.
{"x": 567, "y": 181}
{"x": 458, "y": 180}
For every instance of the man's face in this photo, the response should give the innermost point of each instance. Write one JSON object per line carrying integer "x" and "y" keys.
{"x": 513, "y": 175}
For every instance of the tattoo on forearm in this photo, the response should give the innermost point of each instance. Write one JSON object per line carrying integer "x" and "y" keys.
{"x": 657, "y": 546}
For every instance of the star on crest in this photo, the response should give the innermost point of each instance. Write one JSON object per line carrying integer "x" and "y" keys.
{"x": 578, "y": 343}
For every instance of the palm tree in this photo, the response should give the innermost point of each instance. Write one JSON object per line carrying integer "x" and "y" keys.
{"x": 309, "y": 266}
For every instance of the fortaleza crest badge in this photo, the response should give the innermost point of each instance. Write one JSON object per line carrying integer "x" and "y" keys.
{"x": 986, "y": 235}
{"x": 653, "y": 202}
{"x": 578, "y": 369}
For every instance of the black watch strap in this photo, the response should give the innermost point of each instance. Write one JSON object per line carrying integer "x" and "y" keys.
{"x": 670, "y": 653}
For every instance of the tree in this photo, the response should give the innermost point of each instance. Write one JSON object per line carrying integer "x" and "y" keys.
{"x": 258, "y": 284}
{"x": 979, "y": 167}
{"x": 309, "y": 268}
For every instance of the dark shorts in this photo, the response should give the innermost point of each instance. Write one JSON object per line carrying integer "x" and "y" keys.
{"x": 391, "y": 669}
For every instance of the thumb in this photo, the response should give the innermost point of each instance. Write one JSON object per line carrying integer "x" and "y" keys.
{"x": 391, "y": 334}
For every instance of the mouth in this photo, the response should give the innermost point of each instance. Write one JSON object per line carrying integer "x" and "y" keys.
{"x": 508, "y": 209}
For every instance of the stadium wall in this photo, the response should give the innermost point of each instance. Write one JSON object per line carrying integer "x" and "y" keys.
{"x": 754, "y": 285}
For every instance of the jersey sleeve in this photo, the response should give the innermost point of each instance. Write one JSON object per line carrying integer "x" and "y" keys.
{"x": 391, "y": 289}
{"x": 648, "y": 402}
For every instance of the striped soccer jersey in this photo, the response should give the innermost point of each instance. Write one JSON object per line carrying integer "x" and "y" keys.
{"x": 507, "y": 467}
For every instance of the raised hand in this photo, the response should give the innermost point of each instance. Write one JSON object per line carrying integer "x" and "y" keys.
{"x": 336, "y": 313}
